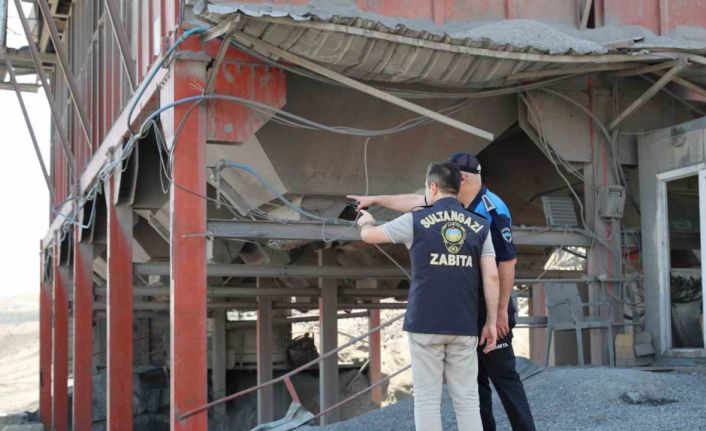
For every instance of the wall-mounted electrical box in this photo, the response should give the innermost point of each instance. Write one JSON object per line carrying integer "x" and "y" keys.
{"x": 611, "y": 201}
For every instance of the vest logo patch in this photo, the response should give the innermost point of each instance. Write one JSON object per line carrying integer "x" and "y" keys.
{"x": 453, "y": 234}
{"x": 507, "y": 234}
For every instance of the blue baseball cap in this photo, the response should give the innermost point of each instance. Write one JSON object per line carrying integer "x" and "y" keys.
{"x": 466, "y": 162}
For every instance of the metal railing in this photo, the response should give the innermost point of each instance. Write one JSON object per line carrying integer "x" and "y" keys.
{"x": 287, "y": 379}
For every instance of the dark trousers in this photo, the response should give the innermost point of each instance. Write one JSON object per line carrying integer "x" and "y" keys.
{"x": 498, "y": 367}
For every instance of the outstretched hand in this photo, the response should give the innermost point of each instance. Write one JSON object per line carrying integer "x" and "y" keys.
{"x": 363, "y": 201}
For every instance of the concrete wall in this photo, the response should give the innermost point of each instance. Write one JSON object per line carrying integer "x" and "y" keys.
{"x": 660, "y": 152}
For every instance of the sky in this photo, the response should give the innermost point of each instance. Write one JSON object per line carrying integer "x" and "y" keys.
{"x": 25, "y": 200}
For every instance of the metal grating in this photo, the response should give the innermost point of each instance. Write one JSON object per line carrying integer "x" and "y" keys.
{"x": 559, "y": 211}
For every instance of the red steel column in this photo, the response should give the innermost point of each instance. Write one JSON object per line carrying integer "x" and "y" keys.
{"x": 265, "y": 396}
{"x": 328, "y": 340}
{"x": 375, "y": 373}
{"x": 45, "y": 345}
{"x": 60, "y": 360}
{"x": 119, "y": 311}
{"x": 83, "y": 333}
{"x": 188, "y": 352}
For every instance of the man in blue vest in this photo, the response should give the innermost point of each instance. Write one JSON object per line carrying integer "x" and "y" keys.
{"x": 497, "y": 366}
{"x": 451, "y": 252}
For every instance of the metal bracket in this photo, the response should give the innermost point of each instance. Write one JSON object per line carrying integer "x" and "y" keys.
{"x": 647, "y": 95}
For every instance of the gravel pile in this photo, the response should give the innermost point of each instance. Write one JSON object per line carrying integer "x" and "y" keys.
{"x": 588, "y": 399}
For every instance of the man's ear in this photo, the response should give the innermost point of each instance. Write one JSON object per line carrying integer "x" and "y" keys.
{"x": 433, "y": 188}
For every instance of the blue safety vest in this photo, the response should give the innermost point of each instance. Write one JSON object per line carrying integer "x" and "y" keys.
{"x": 445, "y": 255}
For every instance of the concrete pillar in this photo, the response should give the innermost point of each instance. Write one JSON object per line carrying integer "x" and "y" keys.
{"x": 328, "y": 340}
{"x": 265, "y": 396}
{"x": 218, "y": 367}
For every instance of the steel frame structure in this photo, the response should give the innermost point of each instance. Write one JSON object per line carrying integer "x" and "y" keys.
{"x": 129, "y": 51}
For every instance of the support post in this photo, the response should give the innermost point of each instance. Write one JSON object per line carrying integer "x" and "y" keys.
{"x": 375, "y": 370}
{"x": 374, "y": 344}
{"x": 60, "y": 360}
{"x": 188, "y": 342}
{"x": 119, "y": 315}
{"x": 328, "y": 340}
{"x": 113, "y": 12}
{"x": 83, "y": 333}
{"x": 604, "y": 258}
{"x": 265, "y": 396}
{"x": 45, "y": 344}
{"x": 218, "y": 367}
{"x": 585, "y": 13}
{"x": 538, "y": 336}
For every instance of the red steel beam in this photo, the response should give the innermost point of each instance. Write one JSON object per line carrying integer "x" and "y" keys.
{"x": 83, "y": 334}
{"x": 188, "y": 346}
{"x": 113, "y": 12}
{"x": 375, "y": 358}
{"x": 119, "y": 315}
{"x": 328, "y": 340}
{"x": 60, "y": 360}
{"x": 45, "y": 346}
{"x": 265, "y": 396}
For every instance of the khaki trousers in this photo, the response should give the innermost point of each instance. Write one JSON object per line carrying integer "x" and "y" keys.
{"x": 453, "y": 358}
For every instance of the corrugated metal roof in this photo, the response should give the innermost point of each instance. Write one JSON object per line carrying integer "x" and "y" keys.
{"x": 369, "y": 47}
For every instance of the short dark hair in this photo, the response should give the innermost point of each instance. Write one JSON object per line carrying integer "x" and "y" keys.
{"x": 446, "y": 176}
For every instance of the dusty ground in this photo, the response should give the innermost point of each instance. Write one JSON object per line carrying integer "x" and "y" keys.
{"x": 19, "y": 354}
{"x": 19, "y": 365}
{"x": 588, "y": 399}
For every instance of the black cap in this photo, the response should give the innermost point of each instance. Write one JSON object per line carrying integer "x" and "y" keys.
{"x": 466, "y": 162}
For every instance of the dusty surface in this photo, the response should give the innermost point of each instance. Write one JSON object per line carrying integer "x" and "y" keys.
{"x": 19, "y": 365}
{"x": 19, "y": 354}
{"x": 589, "y": 399}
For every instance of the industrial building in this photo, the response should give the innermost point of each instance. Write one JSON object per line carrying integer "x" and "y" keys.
{"x": 202, "y": 152}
